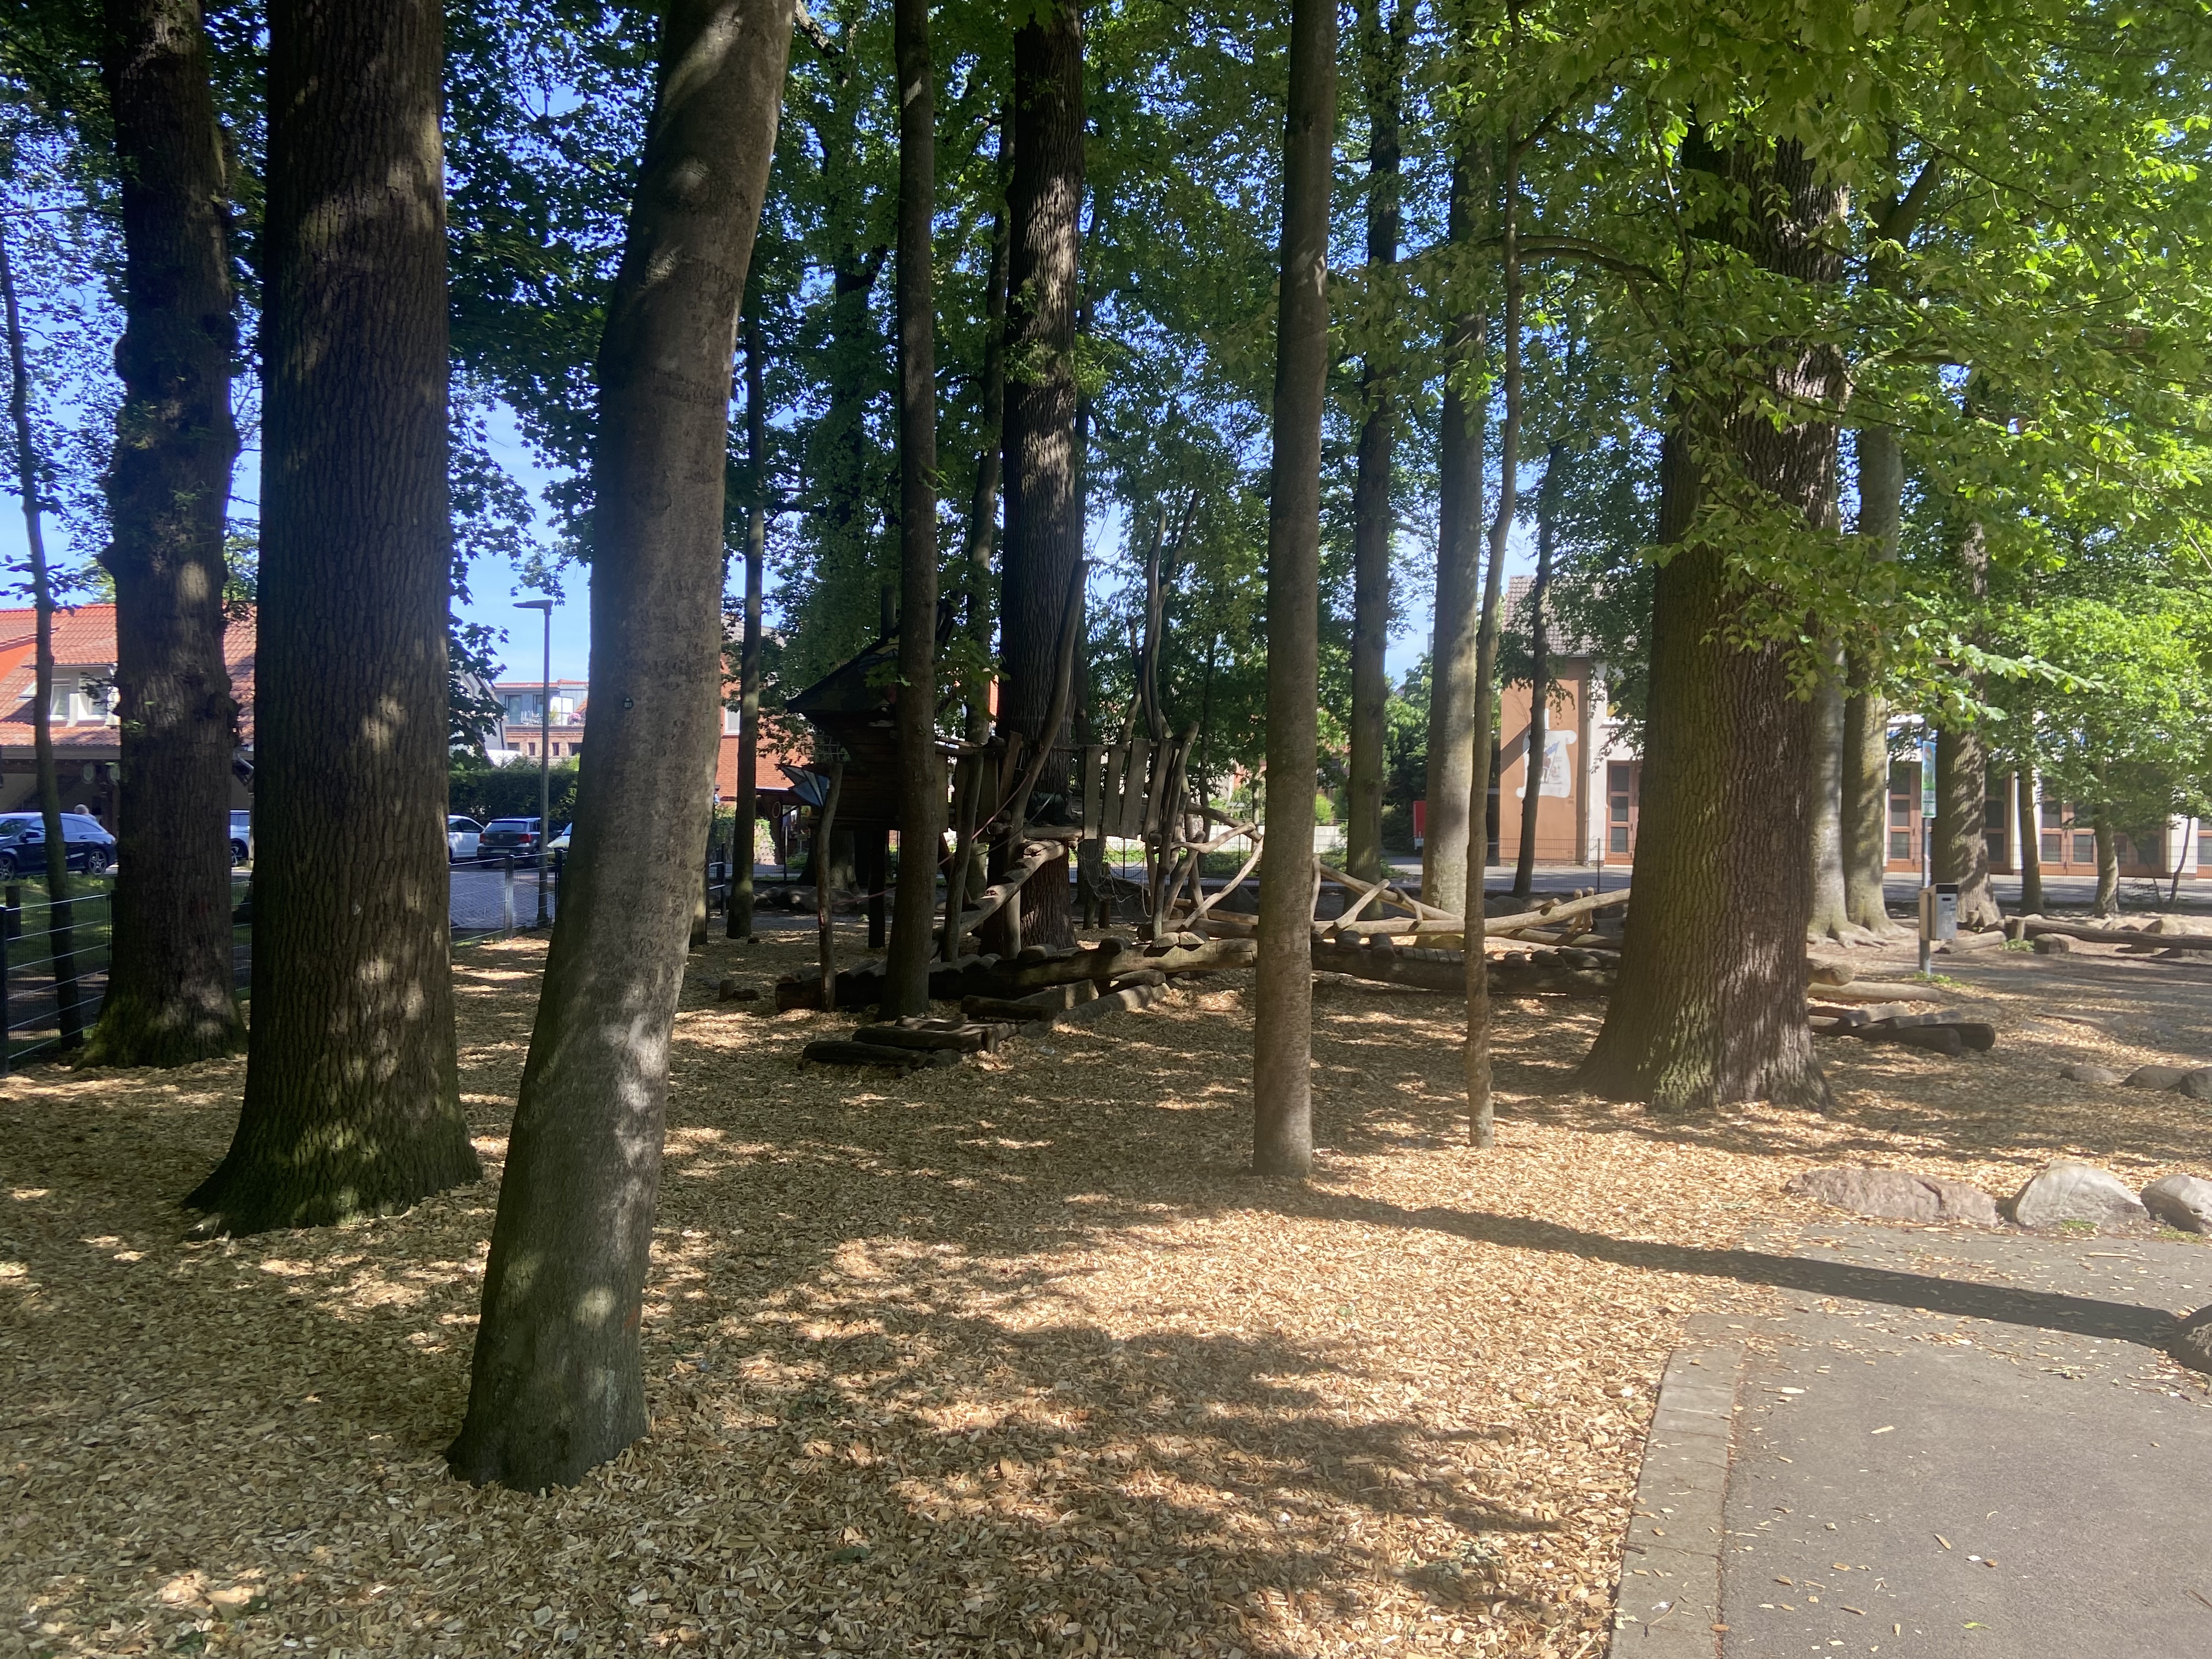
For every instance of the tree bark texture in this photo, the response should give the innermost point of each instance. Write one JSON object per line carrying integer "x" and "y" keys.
{"x": 1445, "y": 876}
{"x": 738, "y": 918}
{"x": 170, "y": 999}
{"x": 1710, "y": 1008}
{"x": 1865, "y": 785}
{"x": 2108, "y": 858}
{"x": 981, "y": 538}
{"x": 1482, "y": 1129}
{"x": 59, "y": 934}
{"x": 921, "y": 772}
{"x": 2031, "y": 840}
{"x": 1282, "y": 1083}
{"x": 1044, "y": 533}
{"x": 1540, "y": 665}
{"x": 1830, "y": 917}
{"x": 352, "y": 1103}
{"x": 558, "y": 1384}
{"x": 1383, "y": 62}
{"x": 1961, "y": 850}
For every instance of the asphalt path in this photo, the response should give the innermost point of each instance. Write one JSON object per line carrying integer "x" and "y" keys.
{"x": 1974, "y": 1448}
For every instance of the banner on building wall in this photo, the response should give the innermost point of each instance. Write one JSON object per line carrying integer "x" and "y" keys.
{"x": 1559, "y": 779}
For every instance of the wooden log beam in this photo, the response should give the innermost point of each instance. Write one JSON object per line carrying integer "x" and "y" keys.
{"x": 842, "y": 1051}
{"x": 1867, "y": 990}
{"x": 1446, "y": 971}
{"x": 1554, "y": 914}
{"x": 1129, "y": 998}
{"x": 1034, "y": 856}
{"x": 2035, "y": 928}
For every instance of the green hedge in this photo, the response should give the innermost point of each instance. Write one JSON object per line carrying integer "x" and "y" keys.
{"x": 485, "y": 792}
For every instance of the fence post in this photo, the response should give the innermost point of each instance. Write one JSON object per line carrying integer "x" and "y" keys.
{"x": 14, "y": 924}
{"x": 506, "y": 896}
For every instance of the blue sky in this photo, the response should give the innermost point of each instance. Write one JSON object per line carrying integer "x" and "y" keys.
{"x": 495, "y": 588}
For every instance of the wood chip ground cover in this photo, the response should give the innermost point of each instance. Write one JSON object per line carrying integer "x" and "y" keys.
{"x": 1009, "y": 1357}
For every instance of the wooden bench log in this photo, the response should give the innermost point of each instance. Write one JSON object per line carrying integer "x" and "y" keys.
{"x": 2035, "y": 928}
{"x": 1870, "y": 990}
{"x": 1129, "y": 997}
{"x": 1446, "y": 971}
{"x": 967, "y": 1038}
{"x": 842, "y": 1051}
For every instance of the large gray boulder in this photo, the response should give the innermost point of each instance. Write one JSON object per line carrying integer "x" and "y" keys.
{"x": 2197, "y": 1084}
{"x": 2158, "y": 1077}
{"x": 2180, "y": 1200}
{"x": 1897, "y": 1196}
{"x": 2192, "y": 1346}
{"x": 2075, "y": 1192}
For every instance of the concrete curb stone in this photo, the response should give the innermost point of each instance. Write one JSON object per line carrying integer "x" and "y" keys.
{"x": 1676, "y": 1525}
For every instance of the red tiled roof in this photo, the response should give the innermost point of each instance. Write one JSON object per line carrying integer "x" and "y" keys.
{"x": 84, "y": 637}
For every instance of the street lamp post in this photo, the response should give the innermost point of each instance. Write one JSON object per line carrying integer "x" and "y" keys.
{"x": 544, "y": 608}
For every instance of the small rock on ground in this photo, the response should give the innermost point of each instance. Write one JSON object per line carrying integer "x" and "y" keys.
{"x": 2052, "y": 945}
{"x": 2193, "y": 1345}
{"x": 2084, "y": 1073}
{"x": 2074, "y": 1192}
{"x": 2180, "y": 1200}
{"x": 1897, "y": 1196}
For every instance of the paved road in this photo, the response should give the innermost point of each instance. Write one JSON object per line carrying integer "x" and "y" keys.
{"x": 2010, "y": 1472}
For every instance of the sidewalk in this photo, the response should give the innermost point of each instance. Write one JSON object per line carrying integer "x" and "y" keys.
{"x": 1974, "y": 1446}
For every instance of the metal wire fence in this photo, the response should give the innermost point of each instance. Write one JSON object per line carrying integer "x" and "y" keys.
{"x": 54, "y": 967}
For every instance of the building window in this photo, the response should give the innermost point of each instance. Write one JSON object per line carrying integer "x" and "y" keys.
{"x": 2054, "y": 846}
{"x": 731, "y": 721}
{"x": 1900, "y": 846}
{"x": 2084, "y": 847}
{"x": 2054, "y": 814}
{"x": 1993, "y": 817}
{"x": 1620, "y": 800}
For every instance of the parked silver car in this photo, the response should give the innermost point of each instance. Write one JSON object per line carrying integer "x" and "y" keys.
{"x": 463, "y": 836}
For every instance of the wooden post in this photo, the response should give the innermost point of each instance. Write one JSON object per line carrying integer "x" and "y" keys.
{"x": 823, "y": 827}
{"x": 876, "y": 863}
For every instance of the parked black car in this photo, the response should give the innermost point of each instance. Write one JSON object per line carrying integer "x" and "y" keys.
{"x": 242, "y": 836}
{"x": 23, "y": 843}
{"x": 509, "y": 837}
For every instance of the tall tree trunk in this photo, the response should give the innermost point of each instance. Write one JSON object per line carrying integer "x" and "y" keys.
{"x": 1865, "y": 785}
{"x": 1961, "y": 852}
{"x": 738, "y": 918}
{"x": 1540, "y": 667}
{"x": 1383, "y": 62}
{"x": 1044, "y": 536}
{"x": 1830, "y": 915}
{"x": 981, "y": 538}
{"x": 558, "y": 1384}
{"x": 1710, "y": 1008}
{"x": 2108, "y": 854}
{"x": 2031, "y": 839}
{"x": 1445, "y": 876}
{"x": 922, "y": 774}
{"x": 352, "y": 1102}
{"x": 1282, "y": 1037}
{"x": 1481, "y": 1114}
{"x": 170, "y": 999}
{"x": 62, "y": 945}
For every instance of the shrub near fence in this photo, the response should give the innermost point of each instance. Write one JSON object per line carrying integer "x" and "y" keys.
{"x": 484, "y": 792}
